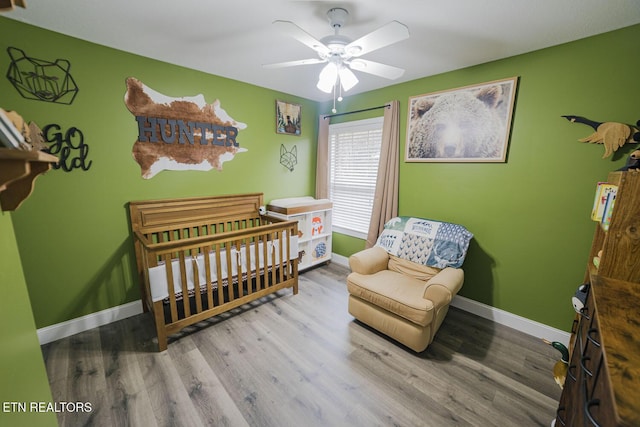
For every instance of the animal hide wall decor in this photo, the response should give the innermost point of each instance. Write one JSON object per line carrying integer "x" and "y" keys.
{"x": 180, "y": 133}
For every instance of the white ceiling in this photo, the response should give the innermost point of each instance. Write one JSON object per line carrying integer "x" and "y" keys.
{"x": 234, "y": 38}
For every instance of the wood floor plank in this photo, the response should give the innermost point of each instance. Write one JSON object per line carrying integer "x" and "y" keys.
{"x": 317, "y": 371}
{"x": 302, "y": 360}
{"x": 169, "y": 398}
{"x": 211, "y": 400}
{"x": 445, "y": 398}
{"x": 130, "y": 403}
{"x": 245, "y": 373}
{"x": 56, "y": 360}
{"x": 86, "y": 381}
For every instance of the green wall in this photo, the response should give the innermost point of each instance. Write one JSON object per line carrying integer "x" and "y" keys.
{"x": 22, "y": 377}
{"x": 530, "y": 215}
{"x": 73, "y": 232}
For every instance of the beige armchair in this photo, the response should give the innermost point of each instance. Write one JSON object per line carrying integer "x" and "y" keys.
{"x": 402, "y": 299}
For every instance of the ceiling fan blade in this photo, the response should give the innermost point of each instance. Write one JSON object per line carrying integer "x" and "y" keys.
{"x": 295, "y": 63}
{"x": 376, "y": 68}
{"x": 302, "y": 36}
{"x": 386, "y": 35}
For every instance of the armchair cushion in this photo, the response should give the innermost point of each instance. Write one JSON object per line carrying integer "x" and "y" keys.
{"x": 408, "y": 268}
{"x": 394, "y": 292}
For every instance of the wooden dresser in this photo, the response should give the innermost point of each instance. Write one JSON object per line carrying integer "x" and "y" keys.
{"x": 603, "y": 379}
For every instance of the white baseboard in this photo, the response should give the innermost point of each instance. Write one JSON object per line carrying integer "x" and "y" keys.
{"x": 340, "y": 259}
{"x": 530, "y": 327}
{"x": 84, "y": 323}
{"x": 90, "y": 321}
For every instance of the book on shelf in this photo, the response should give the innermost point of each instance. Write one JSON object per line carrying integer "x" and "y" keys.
{"x": 10, "y": 136}
{"x": 603, "y": 190}
{"x": 608, "y": 210}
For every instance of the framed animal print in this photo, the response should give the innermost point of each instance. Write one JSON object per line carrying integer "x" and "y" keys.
{"x": 468, "y": 124}
{"x": 288, "y": 118}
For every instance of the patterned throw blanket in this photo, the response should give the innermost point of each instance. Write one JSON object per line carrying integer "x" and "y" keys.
{"x": 423, "y": 241}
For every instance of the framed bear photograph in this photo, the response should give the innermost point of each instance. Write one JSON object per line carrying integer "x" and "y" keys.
{"x": 467, "y": 124}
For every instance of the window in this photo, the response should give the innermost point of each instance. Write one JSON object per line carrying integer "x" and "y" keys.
{"x": 354, "y": 153}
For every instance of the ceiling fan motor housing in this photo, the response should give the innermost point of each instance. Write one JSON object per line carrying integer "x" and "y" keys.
{"x": 337, "y": 17}
{"x": 337, "y": 42}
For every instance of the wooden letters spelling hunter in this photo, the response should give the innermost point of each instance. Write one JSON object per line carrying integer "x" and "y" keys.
{"x": 170, "y": 130}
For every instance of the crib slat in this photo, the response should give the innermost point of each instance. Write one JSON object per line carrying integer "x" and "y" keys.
{"x": 286, "y": 237}
{"x": 219, "y": 274}
{"x": 258, "y": 240}
{"x": 265, "y": 254}
{"x": 273, "y": 259}
{"x": 230, "y": 290}
{"x": 247, "y": 255}
{"x": 185, "y": 290}
{"x": 255, "y": 254}
{"x": 207, "y": 274}
{"x": 280, "y": 258}
{"x": 237, "y": 255}
{"x": 241, "y": 280}
{"x": 196, "y": 280}
{"x": 170, "y": 287}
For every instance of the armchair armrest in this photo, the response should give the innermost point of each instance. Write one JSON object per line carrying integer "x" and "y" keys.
{"x": 441, "y": 288}
{"x": 369, "y": 261}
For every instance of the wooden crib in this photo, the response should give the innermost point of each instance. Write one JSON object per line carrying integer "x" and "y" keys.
{"x": 201, "y": 256}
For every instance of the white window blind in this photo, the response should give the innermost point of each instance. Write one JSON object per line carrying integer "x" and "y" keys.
{"x": 354, "y": 153}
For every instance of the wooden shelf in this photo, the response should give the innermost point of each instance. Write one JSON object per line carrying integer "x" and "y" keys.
{"x": 314, "y": 238}
{"x": 621, "y": 243}
{"x": 18, "y": 171}
{"x": 603, "y": 381}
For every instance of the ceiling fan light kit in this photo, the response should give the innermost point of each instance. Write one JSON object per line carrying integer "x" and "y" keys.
{"x": 327, "y": 78}
{"x": 342, "y": 55}
{"x": 347, "y": 78}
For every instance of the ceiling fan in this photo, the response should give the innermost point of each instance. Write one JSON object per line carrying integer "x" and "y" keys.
{"x": 343, "y": 55}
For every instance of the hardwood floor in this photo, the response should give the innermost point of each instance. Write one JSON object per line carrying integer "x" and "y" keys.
{"x": 303, "y": 361}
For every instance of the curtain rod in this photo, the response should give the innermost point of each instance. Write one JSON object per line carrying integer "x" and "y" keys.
{"x": 356, "y": 111}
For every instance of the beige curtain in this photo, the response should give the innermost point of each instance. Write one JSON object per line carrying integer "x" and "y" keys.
{"x": 322, "y": 162}
{"x": 385, "y": 202}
